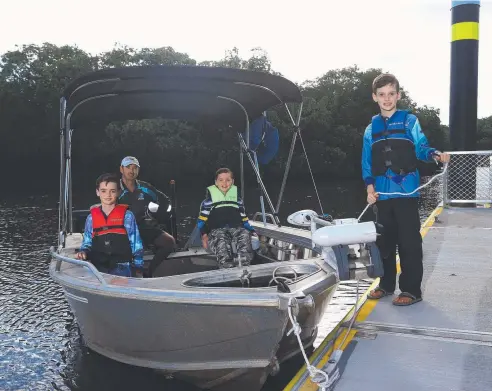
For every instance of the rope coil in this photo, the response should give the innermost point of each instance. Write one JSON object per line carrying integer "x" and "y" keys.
{"x": 323, "y": 380}
{"x": 286, "y": 279}
{"x": 319, "y": 377}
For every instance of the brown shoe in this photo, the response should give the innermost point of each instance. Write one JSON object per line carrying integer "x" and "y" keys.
{"x": 406, "y": 298}
{"x": 378, "y": 293}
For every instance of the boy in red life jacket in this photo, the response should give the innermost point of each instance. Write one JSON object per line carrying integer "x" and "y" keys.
{"x": 111, "y": 238}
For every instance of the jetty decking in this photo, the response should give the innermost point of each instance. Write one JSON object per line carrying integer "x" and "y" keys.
{"x": 443, "y": 343}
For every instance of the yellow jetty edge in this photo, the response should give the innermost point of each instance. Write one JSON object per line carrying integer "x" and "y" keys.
{"x": 367, "y": 307}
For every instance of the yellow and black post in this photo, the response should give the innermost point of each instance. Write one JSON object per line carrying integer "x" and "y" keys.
{"x": 463, "y": 99}
{"x": 464, "y": 74}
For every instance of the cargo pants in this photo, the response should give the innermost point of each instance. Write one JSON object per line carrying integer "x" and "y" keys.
{"x": 221, "y": 242}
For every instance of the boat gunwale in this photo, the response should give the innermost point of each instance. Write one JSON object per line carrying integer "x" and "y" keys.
{"x": 263, "y": 296}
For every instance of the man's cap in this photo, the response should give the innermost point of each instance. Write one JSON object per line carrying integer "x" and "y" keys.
{"x": 130, "y": 160}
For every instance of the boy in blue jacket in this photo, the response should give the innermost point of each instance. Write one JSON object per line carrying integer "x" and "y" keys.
{"x": 393, "y": 144}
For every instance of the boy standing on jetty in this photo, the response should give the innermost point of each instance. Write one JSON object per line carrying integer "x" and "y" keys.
{"x": 393, "y": 144}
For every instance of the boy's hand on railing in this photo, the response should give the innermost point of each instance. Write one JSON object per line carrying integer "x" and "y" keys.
{"x": 82, "y": 255}
{"x": 442, "y": 157}
{"x": 372, "y": 196}
{"x": 122, "y": 281}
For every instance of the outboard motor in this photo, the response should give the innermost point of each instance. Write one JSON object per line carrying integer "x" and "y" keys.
{"x": 345, "y": 243}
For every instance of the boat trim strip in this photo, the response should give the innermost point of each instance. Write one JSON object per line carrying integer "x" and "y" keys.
{"x": 178, "y": 366}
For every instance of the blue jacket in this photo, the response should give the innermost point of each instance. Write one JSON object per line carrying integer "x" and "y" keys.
{"x": 392, "y": 182}
{"x": 139, "y": 200}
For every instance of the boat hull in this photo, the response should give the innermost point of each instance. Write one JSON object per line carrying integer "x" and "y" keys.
{"x": 211, "y": 337}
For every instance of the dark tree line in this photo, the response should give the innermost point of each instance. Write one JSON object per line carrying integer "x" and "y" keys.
{"x": 337, "y": 108}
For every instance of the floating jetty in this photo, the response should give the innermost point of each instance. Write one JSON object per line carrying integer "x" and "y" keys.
{"x": 443, "y": 343}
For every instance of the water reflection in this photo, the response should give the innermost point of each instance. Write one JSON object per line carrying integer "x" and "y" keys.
{"x": 40, "y": 343}
{"x": 35, "y": 317}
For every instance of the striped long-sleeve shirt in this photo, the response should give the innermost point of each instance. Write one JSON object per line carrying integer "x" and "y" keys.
{"x": 224, "y": 217}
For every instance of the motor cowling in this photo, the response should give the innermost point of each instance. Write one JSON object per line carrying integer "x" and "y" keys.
{"x": 345, "y": 234}
{"x": 301, "y": 218}
{"x": 346, "y": 244}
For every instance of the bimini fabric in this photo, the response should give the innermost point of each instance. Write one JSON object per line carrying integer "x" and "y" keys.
{"x": 264, "y": 139}
{"x": 174, "y": 92}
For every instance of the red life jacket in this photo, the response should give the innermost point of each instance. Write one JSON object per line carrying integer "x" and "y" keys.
{"x": 115, "y": 222}
{"x": 110, "y": 243}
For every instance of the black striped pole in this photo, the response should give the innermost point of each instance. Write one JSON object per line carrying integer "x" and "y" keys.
{"x": 464, "y": 75}
{"x": 463, "y": 100}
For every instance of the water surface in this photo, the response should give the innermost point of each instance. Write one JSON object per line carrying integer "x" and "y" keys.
{"x": 40, "y": 344}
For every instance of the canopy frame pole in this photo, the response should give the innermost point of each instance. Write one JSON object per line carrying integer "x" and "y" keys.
{"x": 65, "y": 207}
{"x": 291, "y": 154}
{"x": 296, "y": 124}
{"x": 276, "y": 96}
{"x": 241, "y": 153}
{"x": 68, "y": 175}
{"x": 257, "y": 172}
{"x": 244, "y": 147}
{"x": 262, "y": 202}
{"x": 61, "y": 201}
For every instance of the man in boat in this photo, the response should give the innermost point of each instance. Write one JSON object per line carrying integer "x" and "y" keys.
{"x": 392, "y": 146}
{"x": 223, "y": 222}
{"x": 138, "y": 194}
{"x": 111, "y": 238}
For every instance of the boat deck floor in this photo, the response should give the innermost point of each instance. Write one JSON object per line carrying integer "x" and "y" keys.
{"x": 443, "y": 343}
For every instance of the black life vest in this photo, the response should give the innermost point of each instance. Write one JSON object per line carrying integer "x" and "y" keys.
{"x": 110, "y": 243}
{"x": 392, "y": 146}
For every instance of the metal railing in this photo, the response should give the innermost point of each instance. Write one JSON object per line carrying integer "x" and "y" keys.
{"x": 468, "y": 179}
{"x": 60, "y": 258}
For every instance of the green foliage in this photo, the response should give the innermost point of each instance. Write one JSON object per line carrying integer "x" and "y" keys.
{"x": 258, "y": 61}
{"x": 484, "y": 133}
{"x": 337, "y": 109}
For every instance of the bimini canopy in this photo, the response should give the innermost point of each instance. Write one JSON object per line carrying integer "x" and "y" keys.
{"x": 174, "y": 92}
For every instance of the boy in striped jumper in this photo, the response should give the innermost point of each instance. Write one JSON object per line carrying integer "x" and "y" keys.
{"x": 223, "y": 222}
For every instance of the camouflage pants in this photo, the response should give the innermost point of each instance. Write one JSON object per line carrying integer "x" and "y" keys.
{"x": 222, "y": 240}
